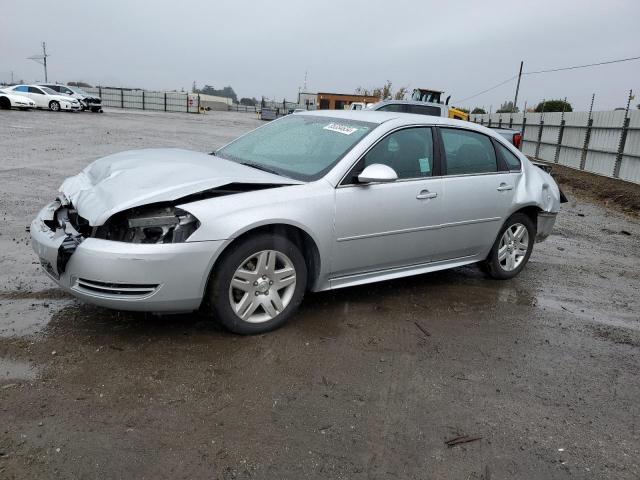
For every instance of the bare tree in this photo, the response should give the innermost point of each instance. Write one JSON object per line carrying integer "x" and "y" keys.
{"x": 385, "y": 92}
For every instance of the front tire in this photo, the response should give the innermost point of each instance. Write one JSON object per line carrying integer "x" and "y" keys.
{"x": 5, "y": 103}
{"x": 258, "y": 284}
{"x": 512, "y": 248}
{"x": 54, "y": 106}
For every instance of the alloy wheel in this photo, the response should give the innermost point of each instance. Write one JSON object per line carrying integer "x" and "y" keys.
{"x": 262, "y": 286}
{"x": 513, "y": 247}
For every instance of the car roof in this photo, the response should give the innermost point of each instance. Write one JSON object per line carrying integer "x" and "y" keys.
{"x": 373, "y": 116}
{"x": 400, "y": 119}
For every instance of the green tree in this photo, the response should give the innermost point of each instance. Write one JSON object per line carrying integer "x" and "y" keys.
{"x": 478, "y": 111}
{"x": 554, "y": 106}
{"x": 507, "y": 107}
{"x": 250, "y": 102}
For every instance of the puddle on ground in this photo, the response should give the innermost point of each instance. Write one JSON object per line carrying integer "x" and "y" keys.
{"x": 24, "y": 317}
{"x": 15, "y": 370}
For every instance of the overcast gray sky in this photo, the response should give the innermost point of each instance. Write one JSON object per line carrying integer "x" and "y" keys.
{"x": 264, "y": 47}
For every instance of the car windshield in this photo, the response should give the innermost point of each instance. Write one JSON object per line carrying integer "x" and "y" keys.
{"x": 301, "y": 147}
{"x": 49, "y": 91}
{"x": 79, "y": 91}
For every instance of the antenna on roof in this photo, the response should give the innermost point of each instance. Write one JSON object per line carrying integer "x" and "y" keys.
{"x": 41, "y": 59}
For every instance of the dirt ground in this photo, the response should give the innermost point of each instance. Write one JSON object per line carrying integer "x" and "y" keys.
{"x": 365, "y": 383}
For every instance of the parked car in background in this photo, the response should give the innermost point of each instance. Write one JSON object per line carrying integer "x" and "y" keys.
{"x": 511, "y": 134}
{"x": 312, "y": 201}
{"x": 13, "y": 100}
{"x": 411, "y": 106}
{"x": 44, "y": 97}
{"x": 438, "y": 110}
{"x": 87, "y": 101}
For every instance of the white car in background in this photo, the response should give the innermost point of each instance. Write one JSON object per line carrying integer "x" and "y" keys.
{"x": 46, "y": 98}
{"x": 10, "y": 100}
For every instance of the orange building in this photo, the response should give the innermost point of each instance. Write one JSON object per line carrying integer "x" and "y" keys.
{"x": 340, "y": 101}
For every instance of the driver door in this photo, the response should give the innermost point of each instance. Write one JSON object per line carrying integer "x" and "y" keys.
{"x": 385, "y": 225}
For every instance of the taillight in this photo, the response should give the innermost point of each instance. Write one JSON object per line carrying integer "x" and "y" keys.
{"x": 517, "y": 139}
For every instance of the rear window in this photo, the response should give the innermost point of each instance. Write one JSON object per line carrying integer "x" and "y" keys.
{"x": 393, "y": 107}
{"x": 511, "y": 160}
{"x": 424, "y": 110}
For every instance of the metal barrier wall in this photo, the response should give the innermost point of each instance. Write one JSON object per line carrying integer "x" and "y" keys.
{"x": 146, "y": 100}
{"x": 606, "y": 143}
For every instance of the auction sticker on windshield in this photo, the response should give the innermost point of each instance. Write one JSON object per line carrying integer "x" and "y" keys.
{"x": 345, "y": 129}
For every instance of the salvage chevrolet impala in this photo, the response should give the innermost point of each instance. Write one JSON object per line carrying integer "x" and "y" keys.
{"x": 313, "y": 201}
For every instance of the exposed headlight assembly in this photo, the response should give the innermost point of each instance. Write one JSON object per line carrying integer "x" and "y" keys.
{"x": 149, "y": 225}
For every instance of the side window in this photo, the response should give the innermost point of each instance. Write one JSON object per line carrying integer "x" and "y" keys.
{"x": 393, "y": 107}
{"x": 65, "y": 90}
{"x": 35, "y": 90}
{"x": 424, "y": 110}
{"x": 22, "y": 88}
{"x": 468, "y": 152}
{"x": 512, "y": 161}
{"x": 409, "y": 152}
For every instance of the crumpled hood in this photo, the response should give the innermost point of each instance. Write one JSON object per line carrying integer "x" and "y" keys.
{"x": 138, "y": 177}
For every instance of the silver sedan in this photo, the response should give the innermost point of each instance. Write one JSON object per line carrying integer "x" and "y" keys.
{"x": 313, "y": 201}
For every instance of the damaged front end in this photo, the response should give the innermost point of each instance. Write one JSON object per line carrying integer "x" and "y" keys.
{"x": 150, "y": 224}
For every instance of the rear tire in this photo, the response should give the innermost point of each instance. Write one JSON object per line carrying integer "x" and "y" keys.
{"x": 5, "y": 103}
{"x": 54, "y": 106}
{"x": 257, "y": 284}
{"x": 512, "y": 248}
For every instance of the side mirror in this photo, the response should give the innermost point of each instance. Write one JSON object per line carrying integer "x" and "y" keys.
{"x": 377, "y": 173}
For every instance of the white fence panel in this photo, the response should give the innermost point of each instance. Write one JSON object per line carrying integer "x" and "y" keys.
{"x": 602, "y": 150}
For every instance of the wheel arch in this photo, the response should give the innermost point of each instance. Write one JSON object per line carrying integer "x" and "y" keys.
{"x": 531, "y": 211}
{"x": 298, "y": 235}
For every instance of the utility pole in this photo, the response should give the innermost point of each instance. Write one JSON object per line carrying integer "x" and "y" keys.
{"x": 305, "y": 81}
{"x": 44, "y": 56}
{"x": 515, "y": 100}
{"x": 42, "y": 60}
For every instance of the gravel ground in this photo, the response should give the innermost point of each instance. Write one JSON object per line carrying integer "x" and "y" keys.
{"x": 366, "y": 382}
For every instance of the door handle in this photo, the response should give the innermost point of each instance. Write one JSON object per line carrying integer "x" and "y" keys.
{"x": 426, "y": 194}
{"x": 503, "y": 187}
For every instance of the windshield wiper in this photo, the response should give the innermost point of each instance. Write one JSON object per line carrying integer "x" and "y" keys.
{"x": 261, "y": 167}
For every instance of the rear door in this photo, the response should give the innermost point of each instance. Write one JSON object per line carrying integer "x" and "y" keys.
{"x": 478, "y": 193}
{"x": 21, "y": 90}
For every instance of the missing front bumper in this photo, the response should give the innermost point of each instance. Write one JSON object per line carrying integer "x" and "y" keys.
{"x": 546, "y": 221}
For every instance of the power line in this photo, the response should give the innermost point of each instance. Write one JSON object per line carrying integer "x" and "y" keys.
{"x": 547, "y": 71}
{"x": 485, "y": 91}
{"x": 582, "y": 66}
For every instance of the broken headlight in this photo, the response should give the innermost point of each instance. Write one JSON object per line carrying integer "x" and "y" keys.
{"x": 149, "y": 225}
